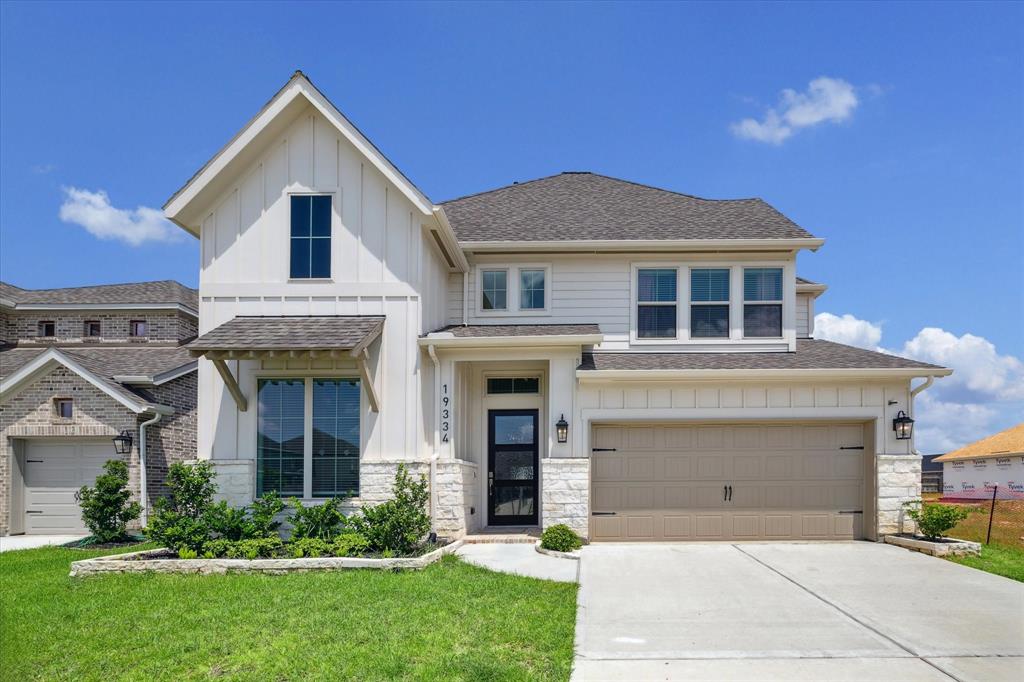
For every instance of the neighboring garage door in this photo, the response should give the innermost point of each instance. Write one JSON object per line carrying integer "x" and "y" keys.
{"x": 54, "y": 471}
{"x": 728, "y": 482}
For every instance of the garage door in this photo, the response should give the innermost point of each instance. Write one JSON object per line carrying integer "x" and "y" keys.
{"x": 728, "y": 482}
{"x": 54, "y": 471}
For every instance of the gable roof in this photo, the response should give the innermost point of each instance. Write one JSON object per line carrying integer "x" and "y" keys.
{"x": 587, "y": 207}
{"x": 144, "y": 294}
{"x": 1008, "y": 442}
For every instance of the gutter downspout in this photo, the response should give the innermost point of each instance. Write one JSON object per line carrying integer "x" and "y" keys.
{"x": 437, "y": 437}
{"x": 143, "y": 493}
{"x": 913, "y": 393}
{"x": 465, "y": 298}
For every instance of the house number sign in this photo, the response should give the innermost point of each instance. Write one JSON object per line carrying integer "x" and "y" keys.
{"x": 446, "y": 413}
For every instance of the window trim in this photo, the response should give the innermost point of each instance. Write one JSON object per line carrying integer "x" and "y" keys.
{"x": 131, "y": 329}
{"x": 513, "y": 292}
{"x": 634, "y": 316}
{"x": 480, "y": 290}
{"x": 780, "y": 302}
{"x": 546, "y": 291}
{"x": 57, "y": 402}
{"x": 40, "y": 326}
{"x": 690, "y": 303}
{"x": 85, "y": 329}
{"x": 307, "y": 422}
{"x": 334, "y": 209}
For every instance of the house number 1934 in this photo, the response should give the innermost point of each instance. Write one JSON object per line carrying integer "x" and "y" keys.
{"x": 446, "y": 407}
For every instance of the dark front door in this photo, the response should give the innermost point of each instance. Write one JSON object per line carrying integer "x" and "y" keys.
{"x": 512, "y": 467}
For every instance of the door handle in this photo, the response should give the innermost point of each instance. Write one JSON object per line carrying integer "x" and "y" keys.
{"x": 725, "y": 493}
{"x": 730, "y": 493}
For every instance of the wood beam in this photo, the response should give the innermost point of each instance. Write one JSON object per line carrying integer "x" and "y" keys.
{"x": 231, "y": 383}
{"x": 371, "y": 388}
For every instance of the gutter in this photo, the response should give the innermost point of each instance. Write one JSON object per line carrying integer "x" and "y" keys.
{"x": 437, "y": 438}
{"x": 910, "y": 408}
{"x": 448, "y": 340}
{"x": 585, "y": 375}
{"x": 143, "y": 492}
{"x": 587, "y": 245}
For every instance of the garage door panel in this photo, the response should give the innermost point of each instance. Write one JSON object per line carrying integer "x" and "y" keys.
{"x": 787, "y": 482}
{"x": 54, "y": 472}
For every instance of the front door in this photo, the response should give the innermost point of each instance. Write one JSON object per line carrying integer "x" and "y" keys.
{"x": 512, "y": 467}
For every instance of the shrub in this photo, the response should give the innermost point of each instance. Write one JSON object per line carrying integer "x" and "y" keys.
{"x": 192, "y": 488}
{"x": 560, "y": 538}
{"x": 934, "y": 520}
{"x": 231, "y": 523}
{"x": 214, "y": 549}
{"x": 312, "y": 548}
{"x": 186, "y": 553}
{"x": 399, "y": 524}
{"x": 263, "y": 519}
{"x": 350, "y": 544}
{"x": 106, "y": 506}
{"x": 322, "y": 521}
{"x": 181, "y": 520}
{"x": 255, "y": 548}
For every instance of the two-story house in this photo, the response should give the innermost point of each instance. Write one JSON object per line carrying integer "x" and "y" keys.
{"x": 634, "y": 362}
{"x": 79, "y": 367}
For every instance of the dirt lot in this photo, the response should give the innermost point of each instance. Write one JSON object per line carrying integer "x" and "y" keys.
{"x": 1007, "y": 525}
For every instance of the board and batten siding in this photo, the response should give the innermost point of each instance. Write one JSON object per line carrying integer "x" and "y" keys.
{"x": 381, "y": 264}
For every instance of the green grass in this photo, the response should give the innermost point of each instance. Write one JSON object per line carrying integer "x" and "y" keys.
{"x": 999, "y": 559}
{"x": 451, "y": 621}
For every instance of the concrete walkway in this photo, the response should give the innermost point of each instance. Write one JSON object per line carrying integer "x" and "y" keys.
{"x": 791, "y": 611}
{"x": 12, "y": 542}
{"x": 521, "y": 559}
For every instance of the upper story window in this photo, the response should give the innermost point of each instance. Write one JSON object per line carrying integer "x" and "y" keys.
{"x": 47, "y": 328}
{"x": 311, "y": 237}
{"x": 531, "y": 289}
{"x": 92, "y": 328}
{"x": 709, "y": 303}
{"x": 63, "y": 408}
{"x": 656, "y": 303}
{"x": 494, "y": 287}
{"x": 138, "y": 328}
{"x": 762, "y": 302}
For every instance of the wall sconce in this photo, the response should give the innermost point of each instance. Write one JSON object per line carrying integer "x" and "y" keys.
{"x": 562, "y": 430}
{"x": 903, "y": 426}
{"x": 123, "y": 443}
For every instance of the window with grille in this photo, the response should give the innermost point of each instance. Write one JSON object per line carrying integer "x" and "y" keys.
{"x": 709, "y": 303}
{"x": 311, "y": 236}
{"x": 762, "y": 302}
{"x": 531, "y": 289}
{"x": 656, "y": 303}
{"x": 506, "y": 385}
{"x": 494, "y": 288}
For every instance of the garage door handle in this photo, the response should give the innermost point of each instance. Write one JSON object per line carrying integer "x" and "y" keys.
{"x": 603, "y": 513}
{"x": 851, "y": 512}
{"x": 34, "y": 461}
{"x": 33, "y": 512}
{"x": 603, "y": 450}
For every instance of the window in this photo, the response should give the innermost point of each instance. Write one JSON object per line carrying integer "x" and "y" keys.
{"x": 328, "y": 449}
{"x": 531, "y": 289}
{"x": 656, "y": 303}
{"x": 504, "y": 386}
{"x": 47, "y": 328}
{"x": 709, "y": 303}
{"x": 63, "y": 408}
{"x": 762, "y": 302}
{"x": 137, "y": 328}
{"x": 495, "y": 289}
{"x": 311, "y": 237}
{"x": 92, "y": 328}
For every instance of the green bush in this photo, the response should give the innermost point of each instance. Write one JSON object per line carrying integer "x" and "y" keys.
{"x": 241, "y": 523}
{"x": 322, "y": 521}
{"x": 350, "y": 544}
{"x": 312, "y": 548}
{"x": 187, "y": 553}
{"x": 215, "y": 549}
{"x": 263, "y": 521}
{"x": 934, "y": 520}
{"x": 182, "y": 520}
{"x": 401, "y": 523}
{"x": 256, "y": 548}
{"x": 560, "y": 538}
{"x": 106, "y": 506}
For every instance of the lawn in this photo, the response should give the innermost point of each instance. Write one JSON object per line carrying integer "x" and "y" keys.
{"x": 998, "y": 559}
{"x": 450, "y": 621}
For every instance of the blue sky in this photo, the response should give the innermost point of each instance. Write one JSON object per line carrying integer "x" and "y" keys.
{"x": 907, "y": 155}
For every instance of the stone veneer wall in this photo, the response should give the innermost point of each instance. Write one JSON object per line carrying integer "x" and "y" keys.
{"x": 565, "y": 493}
{"x": 457, "y": 486}
{"x": 899, "y": 481}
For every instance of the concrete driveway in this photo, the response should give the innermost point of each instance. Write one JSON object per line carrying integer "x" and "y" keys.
{"x": 12, "y": 542}
{"x": 822, "y": 611}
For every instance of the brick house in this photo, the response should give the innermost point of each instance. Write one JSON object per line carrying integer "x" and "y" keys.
{"x": 77, "y": 367}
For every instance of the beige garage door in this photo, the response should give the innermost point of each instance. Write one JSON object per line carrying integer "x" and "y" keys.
{"x": 728, "y": 482}
{"x": 54, "y": 471}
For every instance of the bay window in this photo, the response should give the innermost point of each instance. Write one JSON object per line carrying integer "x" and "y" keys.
{"x": 709, "y": 303}
{"x": 656, "y": 303}
{"x": 762, "y": 302}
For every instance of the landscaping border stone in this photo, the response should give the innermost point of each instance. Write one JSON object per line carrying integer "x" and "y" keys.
{"x": 946, "y": 547}
{"x": 128, "y": 563}
{"x": 560, "y": 555}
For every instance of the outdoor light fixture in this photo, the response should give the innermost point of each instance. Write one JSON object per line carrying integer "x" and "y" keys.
{"x": 123, "y": 443}
{"x": 562, "y": 430}
{"x": 903, "y": 426}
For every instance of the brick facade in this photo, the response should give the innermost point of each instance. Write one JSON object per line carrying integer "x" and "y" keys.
{"x": 173, "y": 438}
{"x": 163, "y": 326}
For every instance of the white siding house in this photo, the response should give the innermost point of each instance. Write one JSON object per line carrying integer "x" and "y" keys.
{"x": 637, "y": 363}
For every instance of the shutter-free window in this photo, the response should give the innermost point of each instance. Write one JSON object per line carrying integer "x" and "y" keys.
{"x": 311, "y": 237}
{"x": 495, "y": 289}
{"x": 531, "y": 289}
{"x": 505, "y": 385}
{"x": 92, "y": 328}
{"x": 280, "y": 437}
{"x": 709, "y": 303}
{"x": 762, "y": 302}
{"x": 137, "y": 328}
{"x": 47, "y": 329}
{"x": 656, "y": 303}
{"x": 335, "y": 437}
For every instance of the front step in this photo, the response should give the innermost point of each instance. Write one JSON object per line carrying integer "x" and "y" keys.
{"x": 517, "y": 536}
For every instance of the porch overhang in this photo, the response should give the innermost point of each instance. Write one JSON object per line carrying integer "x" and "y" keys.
{"x": 254, "y": 338}
{"x": 513, "y": 336}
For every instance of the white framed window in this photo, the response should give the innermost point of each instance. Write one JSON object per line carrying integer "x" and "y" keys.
{"x": 64, "y": 408}
{"x": 92, "y": 328}
{"x": 308, "y": 438}
{"x": 657, "y": 303}
{"x": 532, "y": 289}
{"x": 494, "y": 289}
{"x": 709, "y": 303}
{"x": 138, "y": 328}
{"x": 47, "y": 328}
{"x": 520, "y": 290}
{"x": 762, "y": 302}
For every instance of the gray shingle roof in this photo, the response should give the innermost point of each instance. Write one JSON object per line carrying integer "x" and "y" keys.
{"x": 337, "y": 332}
{"x": 143, "y": 293}
{"x": 804, "y": 280}
{"x": 810, "y": 354}
{"x": 497, "y": 330}
{"x": 587, "y": 206}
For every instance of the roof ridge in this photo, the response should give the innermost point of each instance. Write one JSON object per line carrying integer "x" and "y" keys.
{"x": 98, "y": 286}
{"x": 514, "y": 184}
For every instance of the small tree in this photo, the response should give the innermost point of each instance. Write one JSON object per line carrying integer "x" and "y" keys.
{"x": 106, "y": 506}
{"x": 181, "y": 521}
{"x": 401, "y": 523}
{"x": 934, "y": 520}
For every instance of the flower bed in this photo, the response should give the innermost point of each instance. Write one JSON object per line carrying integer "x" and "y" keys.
{"x": 165, "y": 561}
{"x": 940, "y": 547}
{"x": 560, "y": 555}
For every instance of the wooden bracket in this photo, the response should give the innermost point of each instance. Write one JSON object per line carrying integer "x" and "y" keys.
{"x": 231, "y": 383}
{"x": 364, "y": 370}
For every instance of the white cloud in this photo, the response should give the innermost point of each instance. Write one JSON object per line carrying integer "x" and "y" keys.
{"x": 984, "y": 394}
{"x": 847, "y": 329}
{"x": 94, "y": 212}
{"x": 825, "y": 100}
